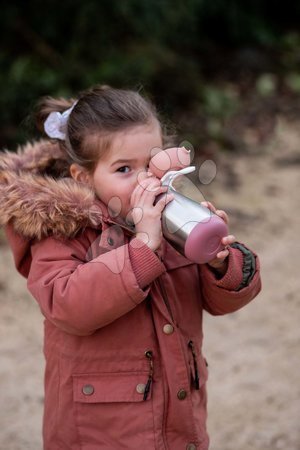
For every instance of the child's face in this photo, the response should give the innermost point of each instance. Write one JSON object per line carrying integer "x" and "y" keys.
{"x": 116, "y": 174}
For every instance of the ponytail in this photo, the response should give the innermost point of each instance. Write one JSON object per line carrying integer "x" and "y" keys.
{"x": 99, "y": 112}
{"x": 47, "y": 105}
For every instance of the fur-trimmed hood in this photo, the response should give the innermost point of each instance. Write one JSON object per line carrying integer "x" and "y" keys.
{"x": 37, "y": 204}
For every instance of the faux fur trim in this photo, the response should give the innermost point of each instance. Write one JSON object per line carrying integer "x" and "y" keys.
{"x": 39, "y": 205}
{"x": 34, "y": 157}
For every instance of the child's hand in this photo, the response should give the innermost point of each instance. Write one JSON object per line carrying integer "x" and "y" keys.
{"x": 220, "y": 262}
{"x": 146, "y": 214}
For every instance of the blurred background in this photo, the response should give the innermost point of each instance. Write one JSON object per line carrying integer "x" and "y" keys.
{"x": 225, "y": 75}
{"x": 214, "y": 68}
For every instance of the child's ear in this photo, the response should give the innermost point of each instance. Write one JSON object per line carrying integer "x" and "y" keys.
{"x": 80, "y": 174}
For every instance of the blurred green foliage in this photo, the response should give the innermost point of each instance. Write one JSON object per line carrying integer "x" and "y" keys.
{"x": 185, "y": 55}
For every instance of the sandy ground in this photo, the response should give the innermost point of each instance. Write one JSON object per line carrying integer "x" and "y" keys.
{"x": 253, "y": 354}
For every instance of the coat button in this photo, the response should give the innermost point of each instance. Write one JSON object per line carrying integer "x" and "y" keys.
{"x": 181, "y": 394}
{"x": 168, "y": 328}
{"x": 140, "y": 388}
{"x": 110, "y": 240}
{"x": 88, "y": 389}
{"x": 191, "y": 446}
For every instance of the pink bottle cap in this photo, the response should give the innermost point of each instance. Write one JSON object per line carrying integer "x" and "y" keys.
{"x": 204, "y": 241}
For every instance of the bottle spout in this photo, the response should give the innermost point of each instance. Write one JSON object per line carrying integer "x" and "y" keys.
{"x": 170, "y": 176}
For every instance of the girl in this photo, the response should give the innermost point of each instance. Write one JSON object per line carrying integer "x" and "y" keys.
{"x": 123, "y": 309}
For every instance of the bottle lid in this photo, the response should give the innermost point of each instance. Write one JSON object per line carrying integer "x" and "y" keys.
{"x": 204, "y": 241}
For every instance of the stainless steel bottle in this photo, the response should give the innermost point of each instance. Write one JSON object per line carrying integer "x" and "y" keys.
{"x": 193, "y": 229}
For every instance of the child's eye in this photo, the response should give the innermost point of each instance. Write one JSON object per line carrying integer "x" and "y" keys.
{"x": 123, "y": 169}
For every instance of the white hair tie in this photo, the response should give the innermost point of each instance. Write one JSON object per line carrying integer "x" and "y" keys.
{"x": 55, "y": 125}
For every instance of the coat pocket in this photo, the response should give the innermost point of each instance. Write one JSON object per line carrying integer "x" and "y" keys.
{"x": 111, "y": 412}
{"x": 198, "y": 367}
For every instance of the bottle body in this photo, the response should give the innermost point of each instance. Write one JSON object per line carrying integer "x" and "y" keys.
{"x": 193, "y": 229}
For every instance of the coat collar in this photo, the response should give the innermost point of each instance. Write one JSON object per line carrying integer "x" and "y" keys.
{"x": 37, "y": 204}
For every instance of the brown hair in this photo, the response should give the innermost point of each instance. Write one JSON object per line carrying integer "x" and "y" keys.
{"x": 99, "y": 112}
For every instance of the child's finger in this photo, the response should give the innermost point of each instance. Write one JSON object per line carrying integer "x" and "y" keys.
{"x": 144, "y": 178}
{"x": 146, "y": 197}
{"x": 209, "y": 205}
{"x": 143, "y": 188}
{"x": 150, "y": 183}
{"x": 228, "y": 240}
{"x": 223, "y": 254}
{"x": 142, "y": 175}
{"x": 152, "y": 192}
{"x": 223, "y": 215}
{"x": 162, "y": 202}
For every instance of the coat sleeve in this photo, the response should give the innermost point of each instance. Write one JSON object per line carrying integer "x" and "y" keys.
{"x": 222, "y": 296}
{"x": 79, "y": 296}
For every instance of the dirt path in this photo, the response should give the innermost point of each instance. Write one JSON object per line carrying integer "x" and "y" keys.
{"x": 253, "y": 355}
{"x": 254, "y": 387}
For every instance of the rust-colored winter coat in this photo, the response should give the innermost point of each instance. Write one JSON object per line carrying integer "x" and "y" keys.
{"x": 123, "y": 325}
